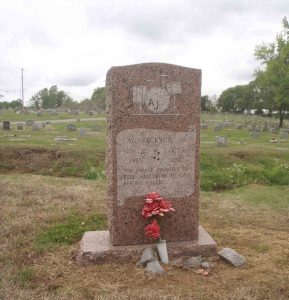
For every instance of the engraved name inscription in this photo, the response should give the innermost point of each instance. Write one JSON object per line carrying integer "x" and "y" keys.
{"x": 155, "y": 160}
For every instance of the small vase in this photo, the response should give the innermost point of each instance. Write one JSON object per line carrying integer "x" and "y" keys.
{"x": 163, "y": 251}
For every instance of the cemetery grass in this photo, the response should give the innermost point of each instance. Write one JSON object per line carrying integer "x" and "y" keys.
{"x": 244, "y": 161}
{"x": 6, "y": 115}
{"x": 43, "y": 217}
{"x": 37, "y": 151}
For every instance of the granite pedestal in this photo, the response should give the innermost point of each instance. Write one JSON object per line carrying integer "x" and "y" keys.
{"x": 96, "y": 247}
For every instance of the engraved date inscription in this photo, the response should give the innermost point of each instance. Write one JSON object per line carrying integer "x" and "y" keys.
{"x": 155, "y": 160}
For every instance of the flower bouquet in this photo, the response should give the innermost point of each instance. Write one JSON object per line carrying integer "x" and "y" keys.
{"x": 156, "y": 207}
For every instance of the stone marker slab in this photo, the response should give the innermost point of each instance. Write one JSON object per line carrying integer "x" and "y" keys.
{"x": 96, "y": 247}
{"x": 6, "y": 125}
{"x": 82, "y": 131}
{"x": 153, "y": 116}
{"x": 29, "y": 122}
{"x": 147, "y": 256}
{"x": 154, "y": 267}
{"x": 20, "y": 126}
{"x": 71, "y": 127}
{"x": 232, "y": 257}
{"x": 221, "y": 141}
{"x": 284, "y": 135}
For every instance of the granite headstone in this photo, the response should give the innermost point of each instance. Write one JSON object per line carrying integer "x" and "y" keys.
{"x": 221, "y": 141}
{"x": 71, "y": 127}
{"x": 29, "y": 122}
{"x": 6, "y": 125}
{"x": 20, "y": 126}
{"x": 152, "y": 145}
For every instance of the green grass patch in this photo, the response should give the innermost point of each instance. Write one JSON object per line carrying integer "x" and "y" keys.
{"x": 276, "y": 197}
{"x": 227, "y": 168}
{"x": 69, "y": 231}
{"x": 244, "y": 161}
{"x": 25, "y": 277}
{"x": 13, "y": 116}
{"x": 95, "y": 173}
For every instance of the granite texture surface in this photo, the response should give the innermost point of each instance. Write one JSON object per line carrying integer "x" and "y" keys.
{"x": 96, "y": 247}
{"x": 153, "y": 117}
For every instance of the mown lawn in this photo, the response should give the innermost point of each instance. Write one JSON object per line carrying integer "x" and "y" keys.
{"x": 42, "y": 219}
{"x": 244, "y": 205}
{"x": 7, "y": 115}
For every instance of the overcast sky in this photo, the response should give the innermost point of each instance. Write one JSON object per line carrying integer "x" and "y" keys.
{"x": 73, "y": 43}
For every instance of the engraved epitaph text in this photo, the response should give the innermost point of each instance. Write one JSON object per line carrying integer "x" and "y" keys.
{"x": 149, "y": 160}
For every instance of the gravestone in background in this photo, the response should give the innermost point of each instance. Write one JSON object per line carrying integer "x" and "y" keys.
{"x": 36, "y": 126}
{"x": 29, "y": 122}
{"x": 274, "y": 130}
{"x": 71, "y": 127}
{"x": 221, "y": 141}
{"x": 20, "y": 126}
{"x": 82, "y": 131}
{"x": 153, "y": 143}
{"x": 283, "y": 135}
{"x": 6, "y": 125}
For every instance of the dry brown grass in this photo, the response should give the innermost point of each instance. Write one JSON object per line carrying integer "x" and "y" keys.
{"x": 29, "y": 203}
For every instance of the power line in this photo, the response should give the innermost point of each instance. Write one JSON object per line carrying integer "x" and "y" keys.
{"x": 10, "y": 90}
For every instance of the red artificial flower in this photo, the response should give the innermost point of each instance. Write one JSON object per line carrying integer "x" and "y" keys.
{"x": 151, "y": 209}
{"x": 152, "y": 230}
{"x": 146, "y": 211}
{"x": 151, "y": 197}
{"x": 165, "y": 206}
{"x": 156, "y": 205}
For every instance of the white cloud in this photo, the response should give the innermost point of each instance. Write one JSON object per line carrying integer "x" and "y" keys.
{"x": 72, "y": 43}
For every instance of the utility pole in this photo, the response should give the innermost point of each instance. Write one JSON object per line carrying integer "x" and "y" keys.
{"x": 22, "y": 88}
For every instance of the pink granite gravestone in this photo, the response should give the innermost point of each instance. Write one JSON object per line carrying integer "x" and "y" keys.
{"x": 153, "y": 145}
{"x": 153, "y": 131}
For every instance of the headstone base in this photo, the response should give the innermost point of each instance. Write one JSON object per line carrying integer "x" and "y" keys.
{"x": 95, "y": 247}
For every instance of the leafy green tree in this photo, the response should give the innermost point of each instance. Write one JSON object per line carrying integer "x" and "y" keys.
{"x": 13, "y": 104}
{"x": 50, "y": 98}
{"x": 237, "y": 99}
{"x": 207, "y": 104}
{"x": 274, "y": 77}
{"x": 98, "y": 98}
{"x": 70, "y": 104}
{"x": 86, "y": 104}
{"x": 263, "y": 94}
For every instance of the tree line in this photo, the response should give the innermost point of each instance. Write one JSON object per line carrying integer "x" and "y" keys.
{"x": 54, "y": 98}
{"x": 269, "y": 90}
{"x": 13, "y": 104}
